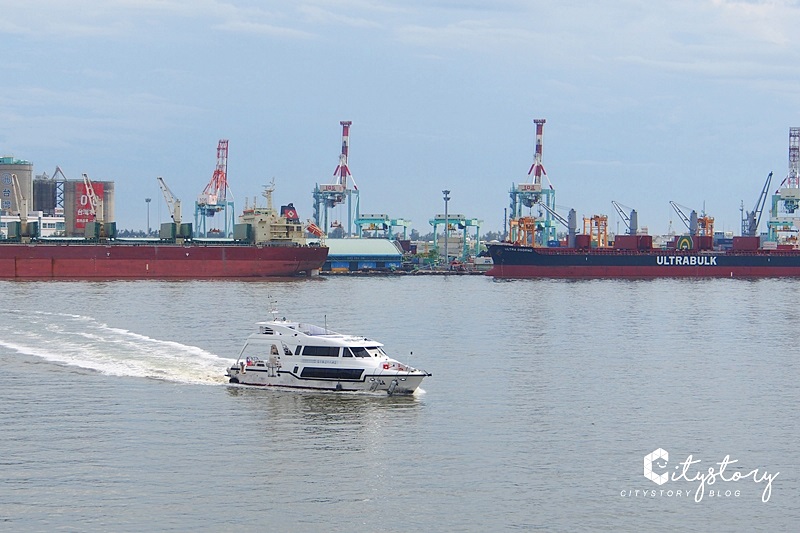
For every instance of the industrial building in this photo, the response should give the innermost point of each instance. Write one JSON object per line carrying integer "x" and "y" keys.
{"x": 358, "y": 255}
{"x": 23, "y": 170}
{"x": 62, "y": 206}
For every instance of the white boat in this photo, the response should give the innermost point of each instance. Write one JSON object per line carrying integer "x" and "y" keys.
{"x": 295, "y": 355}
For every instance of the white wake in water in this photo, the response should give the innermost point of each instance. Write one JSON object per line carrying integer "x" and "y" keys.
{"x": 88, "y": 343}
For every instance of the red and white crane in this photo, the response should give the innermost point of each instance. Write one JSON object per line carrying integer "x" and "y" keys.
{"x": 342, "y": 171}
{"x": 537, "y": 168}
{"x": 214, "y": 196}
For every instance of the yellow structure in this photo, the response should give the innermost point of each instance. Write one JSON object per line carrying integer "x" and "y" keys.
{"x": 705, "y": 225}
{"x": 524, "y": 229}
{"x": 597, "y": 227}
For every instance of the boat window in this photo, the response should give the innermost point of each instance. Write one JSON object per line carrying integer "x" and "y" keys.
{"x": 332, "y": 373}
{"x": 266, "y": 330}
{"x": 346, "y": 352}
{"x": 297, "y": 350}
{"x": 286, "y": 350}
{"x": 321, "y": 351}
{"x": 360, "y": 351}
{"x": 374, "y": 351}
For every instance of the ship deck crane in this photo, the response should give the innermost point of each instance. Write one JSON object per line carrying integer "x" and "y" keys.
{"x": 99, "y": 228}
{"x": 690, "y": 221}
{"x": 703, "y": 226}
{"x": 173, "y": 203}
{"x": 21, "y": 201}
{"x": 629, "y": 220}
{"x": 571, "y": 222}
{"x": 752, "y": 219}
{"x": 23, "y": 233}
{"x": 95, "y": 202}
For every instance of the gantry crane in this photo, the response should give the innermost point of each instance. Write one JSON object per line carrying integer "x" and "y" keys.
{"x": 526, "y": 195}
{"x": 784, "y": 222}
{"x": 214, "y": 197}
{"x": 342, "y": 190}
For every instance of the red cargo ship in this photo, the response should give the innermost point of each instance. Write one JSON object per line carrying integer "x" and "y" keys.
{"x": 120, "y": 260}
{"x": 264, "y": 244}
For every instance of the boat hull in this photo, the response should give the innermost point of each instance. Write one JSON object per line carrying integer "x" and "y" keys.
{"x": 529, "y": 262}
{"x": 391, "y": 382}
{"x": 156, "y": 261}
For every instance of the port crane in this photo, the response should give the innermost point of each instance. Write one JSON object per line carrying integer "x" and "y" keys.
{"x": 784, "y": 221}
{"x": 752, "y": 219}
{"x": 526, "y": 195}
{"x": 214, "y": 197}
{"x": 342, "y": 191}
{"x": 173, "y": 203}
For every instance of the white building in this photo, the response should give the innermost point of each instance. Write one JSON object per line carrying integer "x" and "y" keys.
{"x": 49, "y": 226}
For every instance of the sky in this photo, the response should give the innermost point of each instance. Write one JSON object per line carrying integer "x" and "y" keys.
{"x": 646, "y": 102}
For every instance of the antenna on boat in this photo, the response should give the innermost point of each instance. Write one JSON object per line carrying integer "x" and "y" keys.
{"x": 273, "y": 307}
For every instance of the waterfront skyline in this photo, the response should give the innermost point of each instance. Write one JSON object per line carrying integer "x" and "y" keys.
{"x": 686, "y": 101}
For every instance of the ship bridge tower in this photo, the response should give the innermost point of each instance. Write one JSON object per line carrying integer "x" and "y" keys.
{"x": 784, "y": 222}
{"x": 343, "y": 191}
{"x": 526, "y": 195}
{"x": 214, "y": 198}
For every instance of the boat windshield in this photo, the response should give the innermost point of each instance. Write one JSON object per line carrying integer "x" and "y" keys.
{"x": 358, "y": 351}
{"x": 375, "y": 351}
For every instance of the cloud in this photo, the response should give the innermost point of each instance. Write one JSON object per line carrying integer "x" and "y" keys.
{"x": 42, "y": 117}
{"x": 64, "y": 19}
{"x": 474, "y": 34}
{"x": 259, "y": 28}
{"x": 770, "y": 21}
{"x": 315, "y": 15}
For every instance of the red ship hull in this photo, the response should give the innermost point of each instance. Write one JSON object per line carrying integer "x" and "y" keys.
{"x": 156, "y": 261}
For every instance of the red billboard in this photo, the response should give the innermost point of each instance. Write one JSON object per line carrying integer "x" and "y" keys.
{"x": 83, "y": 206}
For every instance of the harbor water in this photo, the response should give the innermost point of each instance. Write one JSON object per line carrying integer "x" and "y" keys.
{"x": 547, "y": 400}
